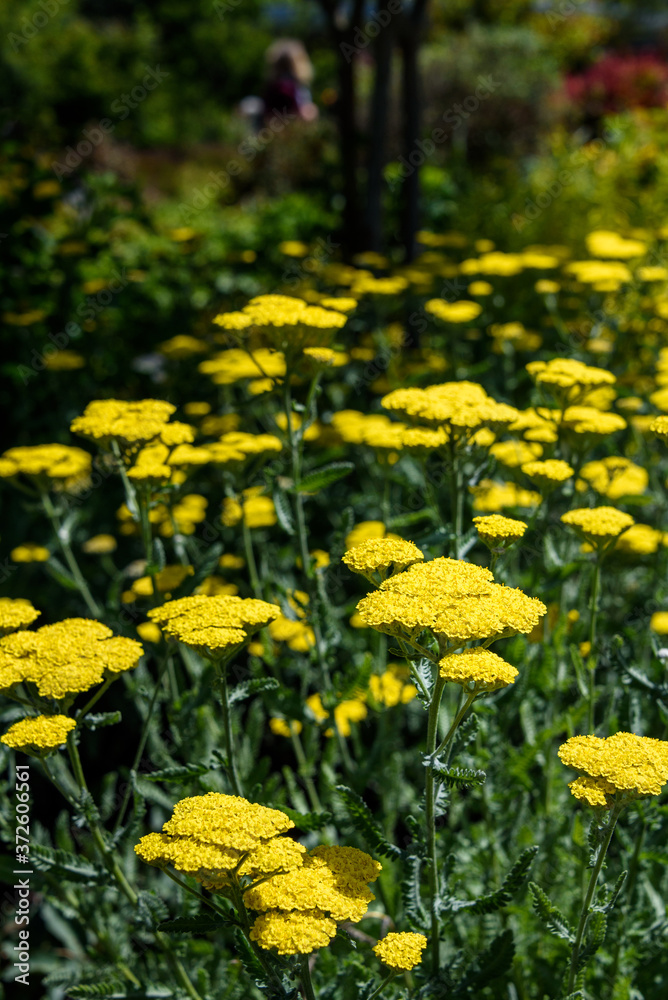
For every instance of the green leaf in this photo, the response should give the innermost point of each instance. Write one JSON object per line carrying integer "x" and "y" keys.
{"x": 362, "y": 819}
{"x": 62, "y": 576}
{"x": 493, "y": 901}
{"x": 458, "y": 777}
{"x": 101, "y": 719}
{"x": 283, "y": 512}
{"x": 159, "y": 559}
{"x": 491, "y": 963}
{"x": 410, "y": 892}
{"x": 195, "y": 925}
{"x": 614, "y": 893}
{"x": 176, "y": 772}
{"x": 317, "y": 480}
{"x": 552, "y": 918}
{"x": 596, "y": 928}
{"x": 307, "y": 821}
{"x": 404, "y": 520}
{"x": 67, "y": 866}
{"x": 247, "y": 689}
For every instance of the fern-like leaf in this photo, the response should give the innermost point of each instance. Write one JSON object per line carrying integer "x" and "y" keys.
{"x": 410, "y": 892}
{"x": 552, "y": 918}
{"x": 513, "y": 881}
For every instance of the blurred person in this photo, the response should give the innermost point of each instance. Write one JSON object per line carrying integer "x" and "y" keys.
{"x": 290, "y": 73}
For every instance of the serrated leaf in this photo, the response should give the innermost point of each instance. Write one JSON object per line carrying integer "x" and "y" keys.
{"x": 176, "y": 772}
{"x": 195, "y": 925}
{"x": 404, "y": 520}
{"x": 283, "y": 512}
{"x": 457, "y": 777}
{"x": 101, "y": 719}
{"x": 466, "y": 734}
{"x": 410, "y": 892}
{"x": 596, "y": 929}
{"x": 67, "y": 866}
{"x": 551, "y": 916}
{"x": 362, "y": 819}
{"x": 319, "y": 479}
{"x": 488, "y": 965}
{"x": 106, "y": 988}
{"x": 247, "y": 689}
{"x": 614, "y": 892}
{"x": 493, "y": 901}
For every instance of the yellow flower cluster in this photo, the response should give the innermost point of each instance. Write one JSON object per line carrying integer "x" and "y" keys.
{"x": 491, "y": 497}
{"x": 641, "y": 540}
{"x": 66, "y": 658}
{"x": 598, "y": 525}
{"x": 607, "y": 243}
{"x": 454, "y": 599}
{"x": 453, "y": 312}
{"x": 659, "y": 426}
{"x": 460, "y": 408}
{"x": 129, "y": 423}
{"x": 63, "y": 466}
{"x": 568, "y": 377}
{"x": 377, "y": 558}
{"x": 613, "y": 477}
{"x": 256, "y": 510}
{"x": 478, "y": 670}
{"x": 39, "y": 733}
{"x": 16, "y": 612}
{"x": 635, "y": 766}
{"x": 290, "y": 324}
{"x": 213, "y": 625}
{"x": 401, "y": 951}
{"x": 548, "y": 473}
{"x": 497, "y": 531}
{"x": 236, "y": 365}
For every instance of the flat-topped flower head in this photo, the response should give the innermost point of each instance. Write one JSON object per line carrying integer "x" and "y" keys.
{"x": 460, "y": 408}
{"x": 38, "y": 735}
{"x": 56, "y": 466}
{"x": 567, "y": 377}
{"x": 453, "y": 312}
{"x": 623, "y": 764}
{"x": 227, "y": 821}
{"x": 478, "y": 669}
{"x": 16, "y": 612}
{"x": 499, "y": 532}
{"x": 659, "y": 426}
{"x": 496, "y": 614}
{"x": 442, "y": 579}
{"x": 378, "y": 558}
{"x": 599, "y": 526}
{"x": 287, "y": 323}
{"x": 587, "y": 420}
{"x": 293, "y": 932}
{"x": 213, "y": 624}
{"x": 129, "y": 423}
{"x": 401, "y": 951}
{"x": 68, "y": 657}
{"x": 548, "y": 474}
{"x": 613, "y": 477}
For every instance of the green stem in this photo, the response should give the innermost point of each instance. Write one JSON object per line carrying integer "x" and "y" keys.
{"x": 70, "y": 559}
{"x": 379, "y": 989}
{"x": 432, "y": 736}
{"x": 455, "y": 504}
{"x": 250, "y": 556}
{"x": 593, "y": 879}
{"x": 89, "y": 704}
{"x": 242, "y": 912}
{"x": 233, "y": 774}
{"x": 198, "y": 896}
{"x": 592, "y": 639}
{"x": 305, "y": 770}
{"x": 445, "y": 742}
{"x": 147, "y": 541}
{"x": 110, "y": 861}
{"x": 306, "y": 980}
{"x": 142, "y": 743}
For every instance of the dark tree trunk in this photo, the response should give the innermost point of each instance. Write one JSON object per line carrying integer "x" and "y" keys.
{"x": 410, "y": 35}
{"x": 348, "y": 148}
{"x": 377, "y": 135}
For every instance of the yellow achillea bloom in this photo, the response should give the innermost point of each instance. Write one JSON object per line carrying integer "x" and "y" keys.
{"x": 226, "y": 820}
{"x": 43, "y": 732}
{"x": 460, "y": 407}
{"x": 497, "y": 531}
{"x": 255, "y": 510}
{"x": 598, "y": 525}
{"x": 100, "y": 545}
{"x": 29, "y": 552}
{"x": 130, "y": 424}
{"x": 66, "y": 658}
{"x": 641, "y": 540}
{"x": 635, "y": 766}
{"x": 497, "y": 614}
{"x": 167, "y": 579}
{"x": 293, "y": 933}
{"x": 290, "y": 324}
{"x": 64, "y": 467}
{"x": 377, "y": 558}
{"x": 363, "y": 531}
{"x": 491, "y": 497}
{"x": 607, "y": 243}
{"x": 589, "y": 420}
{"x": 16, "y": 612}
{"x": 401, "y": 951}
{"x": 331, "y": 879}
{"x": 213, "y": 624}
{"x": 513, "y": 454}
{"x": 548, "y": 473}
{"x": 453, "y": 312}
{"x": 613, "y": 477}
{"x": 392, "y": 687}
{"x": 659, "y": 426}
{"x": 478, "y": 670}
{"x": 566, "y": 373}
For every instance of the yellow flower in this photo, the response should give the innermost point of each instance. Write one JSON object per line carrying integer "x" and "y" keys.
{"x": 513, "y": 454}
{"x": 497, "y": 531}
{"x": 256, "y": 511}
{"x": 64, "y": 465}
{"x": 659, "y": 622}
{"x": 293, "y": 933}
{"x": 99, "y": 545}
{"x": 547, "y": 474}
{"x": 453, "y": 312}
{"x": 281, "y": 727}
{"x": 478, "y": 669}
{"x": 490, "y": 496}
{"x": 130, "y": 423}
{"x": 547, "y": 287}
{"x": 35, "y": 734}
{"x": 392, "y": 687}
{"x": 350, "y": 710}
{"x": 377, "y": 558}
{"x": 167, "y": 579}
{"x": 401, "y": 951}
{"x": 598, "y": 525}
{"x": 363, "y": 531}
{"x": 635, "y": 765}
{"x": 213, "y": 624}
{"x": 614, "y": 477}
{"x": 497, "y": 614}
{"x": 149, "y": 632}
{"x": 16, "y": 612}
{"x": 641, "y": 540}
